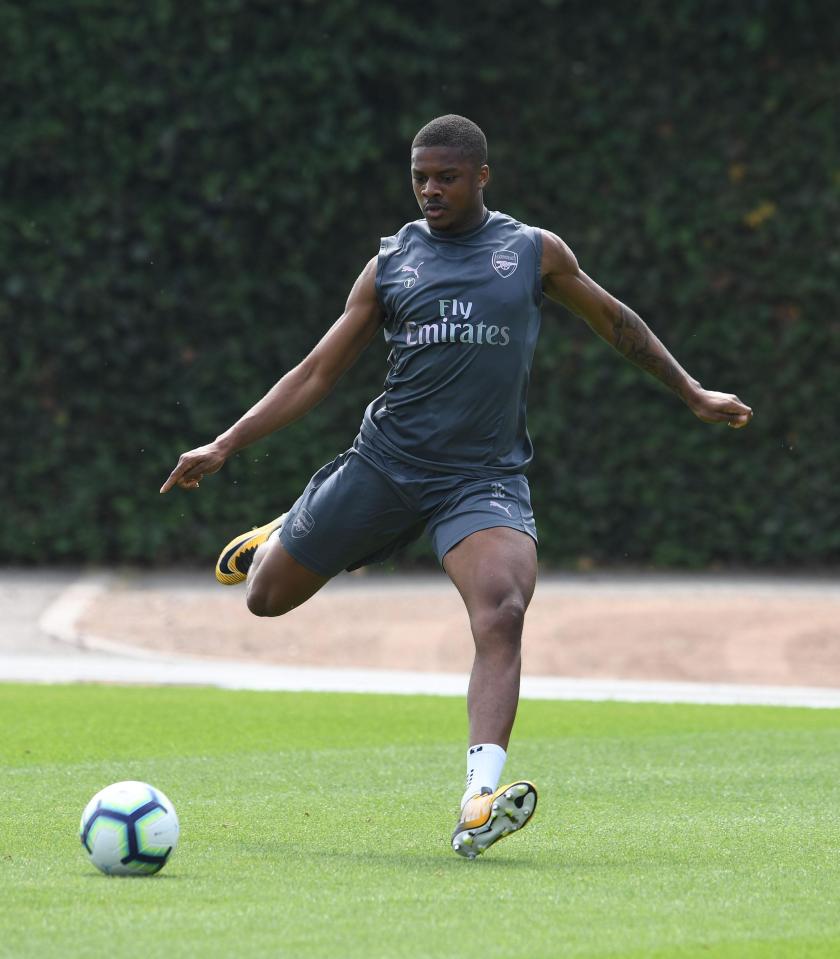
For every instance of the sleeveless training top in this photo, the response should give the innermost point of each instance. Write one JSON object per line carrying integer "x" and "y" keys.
{"x": 462, "y": 316}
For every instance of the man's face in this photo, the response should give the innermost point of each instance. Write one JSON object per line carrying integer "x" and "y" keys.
{"x": 448, "y": 187}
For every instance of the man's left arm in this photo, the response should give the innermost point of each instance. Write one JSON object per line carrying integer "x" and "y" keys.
{"x": 564, "y": 281}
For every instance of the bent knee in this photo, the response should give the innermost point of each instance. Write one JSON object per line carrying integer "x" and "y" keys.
{"x": 261, "y": 603}
{"x": 502, "y": 620}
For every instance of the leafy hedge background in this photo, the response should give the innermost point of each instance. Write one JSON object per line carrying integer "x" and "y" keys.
{"x": 189, "y": 191}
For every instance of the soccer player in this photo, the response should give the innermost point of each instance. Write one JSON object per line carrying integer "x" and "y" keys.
{"x": 444, "y": 448}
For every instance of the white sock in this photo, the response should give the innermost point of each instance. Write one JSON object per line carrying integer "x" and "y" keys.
{"x": 485, "y": 762}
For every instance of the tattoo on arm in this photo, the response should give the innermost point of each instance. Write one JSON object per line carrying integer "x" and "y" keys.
{"x": 634, "y": 339}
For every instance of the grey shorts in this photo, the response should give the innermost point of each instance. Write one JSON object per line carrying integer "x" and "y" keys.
{"x": 365, "y": 505}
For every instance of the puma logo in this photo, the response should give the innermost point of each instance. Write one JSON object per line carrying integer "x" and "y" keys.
{"x": 501, "y": 506}
{"x": 413, "y": 269}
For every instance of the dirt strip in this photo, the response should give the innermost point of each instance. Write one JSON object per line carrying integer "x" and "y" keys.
{"x": 768, "y": 632}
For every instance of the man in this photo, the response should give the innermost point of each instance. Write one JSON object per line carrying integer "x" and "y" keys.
{"x": 457, "y": 295}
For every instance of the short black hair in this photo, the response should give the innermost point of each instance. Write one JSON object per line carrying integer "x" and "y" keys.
{"x": 455, "y": 131}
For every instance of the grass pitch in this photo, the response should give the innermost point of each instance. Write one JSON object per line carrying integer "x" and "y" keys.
{"x": 317, "y": 826}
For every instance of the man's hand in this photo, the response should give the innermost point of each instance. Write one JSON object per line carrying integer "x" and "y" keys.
{"x": 712, "y": 407}
{"x": 194, "y": 466}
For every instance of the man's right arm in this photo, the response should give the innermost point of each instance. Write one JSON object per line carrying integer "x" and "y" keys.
{"x": 298, "y": 391}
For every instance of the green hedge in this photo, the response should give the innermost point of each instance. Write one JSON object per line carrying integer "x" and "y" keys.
{"x": 189, "y": 190}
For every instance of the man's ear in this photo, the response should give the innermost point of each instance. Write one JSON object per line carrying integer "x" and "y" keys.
{"x": 483, "y": 175}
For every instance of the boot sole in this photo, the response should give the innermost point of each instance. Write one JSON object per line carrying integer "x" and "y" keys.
{"x": 509, "y": 812}
{"x": 226, "y": 572}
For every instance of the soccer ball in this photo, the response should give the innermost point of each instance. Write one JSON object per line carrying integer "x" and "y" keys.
{"x": 129, "y": 829}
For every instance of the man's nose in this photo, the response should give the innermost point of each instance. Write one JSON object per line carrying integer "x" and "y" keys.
{"x": 430, "y": 188}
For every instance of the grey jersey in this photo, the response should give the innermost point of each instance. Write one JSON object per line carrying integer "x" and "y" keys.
{"x": 462, "y": 316}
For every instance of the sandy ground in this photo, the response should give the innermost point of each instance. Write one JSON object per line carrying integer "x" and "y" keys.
{"x": 693, "y": 628}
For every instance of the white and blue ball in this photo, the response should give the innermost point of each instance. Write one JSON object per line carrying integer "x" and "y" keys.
{"x": 129, "y": 829}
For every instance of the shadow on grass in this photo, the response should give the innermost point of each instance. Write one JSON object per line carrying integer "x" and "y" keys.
{"x": 445, "y": 859}
{"x": 156, "y": 876}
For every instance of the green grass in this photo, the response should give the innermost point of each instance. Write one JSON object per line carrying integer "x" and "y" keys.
{"x": 317, "y": 825}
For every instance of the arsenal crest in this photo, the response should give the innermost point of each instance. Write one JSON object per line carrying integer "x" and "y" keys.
{"x": 302, "y": 526}
{"x": 505, "y": 262}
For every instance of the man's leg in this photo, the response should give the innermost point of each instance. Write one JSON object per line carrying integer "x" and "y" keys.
{"x": 278, "y": 583}
{"x": 495, "y": 571}
{"x": 350, "y": 514}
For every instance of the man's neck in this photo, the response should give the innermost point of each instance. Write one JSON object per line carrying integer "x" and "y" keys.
{"x": 471, "y": 223}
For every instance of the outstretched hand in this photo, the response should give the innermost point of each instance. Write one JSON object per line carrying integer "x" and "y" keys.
{"x": 194, "y": 466}
{"x": 713, "y": 407}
